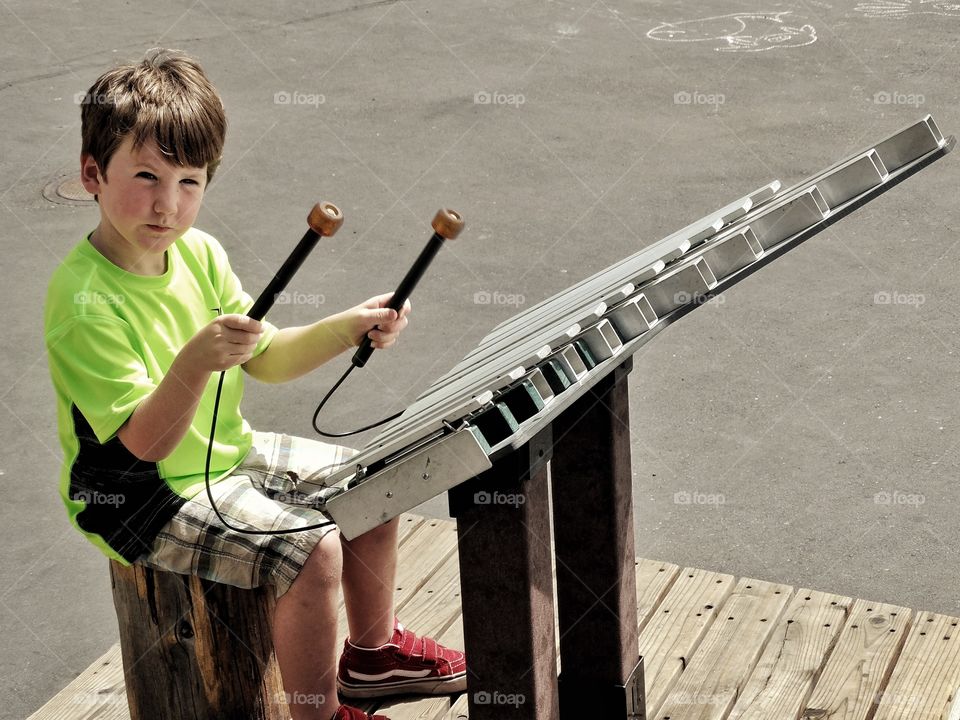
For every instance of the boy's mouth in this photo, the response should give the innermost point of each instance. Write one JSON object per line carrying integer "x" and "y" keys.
{"x": 159, "y": 228}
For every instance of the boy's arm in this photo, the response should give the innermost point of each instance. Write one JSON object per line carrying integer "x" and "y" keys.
{"x": 160, "y": 421}
{"x": 295, "y": 351}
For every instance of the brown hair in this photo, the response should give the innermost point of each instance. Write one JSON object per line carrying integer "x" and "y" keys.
{"x": 166, "y": 96}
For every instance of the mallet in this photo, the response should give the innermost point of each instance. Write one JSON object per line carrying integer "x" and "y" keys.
{"x": 447, "y": 224}
{"x": 324, "y": 220}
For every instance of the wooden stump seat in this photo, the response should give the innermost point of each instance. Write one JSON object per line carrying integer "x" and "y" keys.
{"x": 196, "y": 649}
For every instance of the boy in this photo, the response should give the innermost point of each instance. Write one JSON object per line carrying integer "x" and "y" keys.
{"x": 140, "y": 317}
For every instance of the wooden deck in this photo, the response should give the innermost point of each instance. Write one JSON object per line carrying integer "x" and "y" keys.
{"x": 715, "y": 647}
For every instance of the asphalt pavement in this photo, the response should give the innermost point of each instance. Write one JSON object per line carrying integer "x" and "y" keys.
{"x": 800, "y": 428}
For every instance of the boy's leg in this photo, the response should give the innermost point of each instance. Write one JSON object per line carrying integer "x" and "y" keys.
{"x": 369, "y": 579}
{"x": 304, "y": 633}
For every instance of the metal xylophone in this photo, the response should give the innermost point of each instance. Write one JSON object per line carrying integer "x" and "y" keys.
{"x": 537, "y": 363}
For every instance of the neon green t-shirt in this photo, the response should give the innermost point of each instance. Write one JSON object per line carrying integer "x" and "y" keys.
{"x": 111, "y": 335}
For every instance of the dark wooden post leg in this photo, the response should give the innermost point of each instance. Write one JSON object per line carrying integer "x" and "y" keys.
{"x": 503, "y": 527}
{"x": 601, "y": 671}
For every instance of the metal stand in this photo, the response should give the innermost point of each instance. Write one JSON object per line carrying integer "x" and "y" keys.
{"x": 596, "y": 576}
{"x": 503, "y": 529}
{"x": 503, "y": 525}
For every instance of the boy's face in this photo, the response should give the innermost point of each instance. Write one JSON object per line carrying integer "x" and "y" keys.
{"x": 146, "y": 202}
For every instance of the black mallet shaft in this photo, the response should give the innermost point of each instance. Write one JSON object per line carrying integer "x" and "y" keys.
{"x": 447, "y": 224}
{"x": 324, "y": 220}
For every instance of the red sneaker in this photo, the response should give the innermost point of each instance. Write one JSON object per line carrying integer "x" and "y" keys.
{"x": 406, "y": 665}
{"x": 345, "y": 712}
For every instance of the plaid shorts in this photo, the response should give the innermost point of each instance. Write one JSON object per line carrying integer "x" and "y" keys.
{"x": 279, "y": 485}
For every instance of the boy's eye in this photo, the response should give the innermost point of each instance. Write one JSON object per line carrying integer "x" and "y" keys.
{"x": 145, "y": 174}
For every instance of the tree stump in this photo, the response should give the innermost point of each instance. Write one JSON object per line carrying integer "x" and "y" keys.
{"x": 196, "y": 649}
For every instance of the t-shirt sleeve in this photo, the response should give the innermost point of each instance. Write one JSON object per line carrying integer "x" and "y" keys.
{"x": 234, "y": 299}
{"x": 95, "y": 361}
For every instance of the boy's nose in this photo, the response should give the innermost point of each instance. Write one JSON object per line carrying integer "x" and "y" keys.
{"x": 165, "y": 201}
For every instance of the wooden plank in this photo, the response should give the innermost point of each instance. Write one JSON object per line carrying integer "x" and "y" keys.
{"x": 408, "y": 523}
{"x": 673, "y": 633}
{"x": 927, "y": 673}
{"x": 954, "y": 713}
{"x": 719, "y": 668}
{"x": 654, "y": 579}
{"x": 860, "y": 664}
{"x": 98, "y": 693}
{"x": 430, "y": 708}
{"x": 458, "y": 711}
{"x": 432, "y": 608}
{"x": 785, "y": 675}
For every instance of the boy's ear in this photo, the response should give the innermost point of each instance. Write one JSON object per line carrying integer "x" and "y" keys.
{"x": 90, "y": 175}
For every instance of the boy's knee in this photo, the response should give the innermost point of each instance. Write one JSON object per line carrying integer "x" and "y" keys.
{"x": 325, "y": 562}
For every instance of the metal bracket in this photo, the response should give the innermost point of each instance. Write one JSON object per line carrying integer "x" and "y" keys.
{"x": 409, "y": 481}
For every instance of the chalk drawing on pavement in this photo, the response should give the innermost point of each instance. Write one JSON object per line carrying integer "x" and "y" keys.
{"x": 900, "y": 9}
{"x": 738, "y": 32}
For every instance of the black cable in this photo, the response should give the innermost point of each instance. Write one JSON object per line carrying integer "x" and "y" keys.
{"x": 206, "y": 477}
{"x": 326, "y": 397}
{"x": 213, "y": 430}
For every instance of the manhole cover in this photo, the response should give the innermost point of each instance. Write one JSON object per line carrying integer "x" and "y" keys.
{"x": 67, "y": 190}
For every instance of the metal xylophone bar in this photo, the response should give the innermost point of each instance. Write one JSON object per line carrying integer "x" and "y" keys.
{"x": 515, "y": 353}
{"x": 792, "y": 211}
{"x": 512, "y": 388}
{"x": 521, "y": 346}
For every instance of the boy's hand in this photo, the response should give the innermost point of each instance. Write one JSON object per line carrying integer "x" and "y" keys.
{"x": 374, "y": 313}
{"x": 227, "y": 341}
